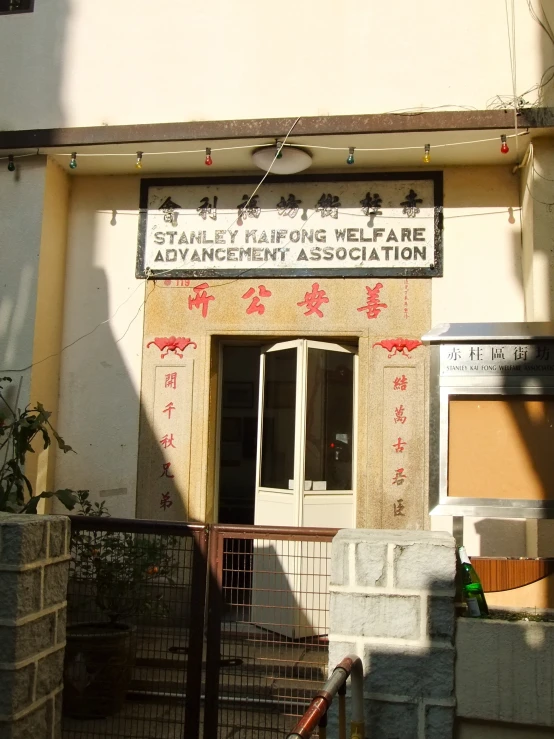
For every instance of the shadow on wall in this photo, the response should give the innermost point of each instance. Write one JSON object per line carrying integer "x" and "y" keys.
{"x": 100, "y": 405}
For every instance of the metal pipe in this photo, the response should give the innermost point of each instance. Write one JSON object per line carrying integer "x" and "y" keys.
{"x": 321, "y": 702}
{"x": 357, "y": 727}
{"x": 342, "y": 712}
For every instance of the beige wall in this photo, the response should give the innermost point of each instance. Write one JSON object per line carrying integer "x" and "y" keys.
{"x": 100, "y": 374}
{"x": 75, "y": 63}
{"x": 482, "y": 248}
{"x": 49, "y": 317}
{"x": 100, "y": 371}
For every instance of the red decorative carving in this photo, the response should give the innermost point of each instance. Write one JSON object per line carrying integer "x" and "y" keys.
{"x": 171, "y": 344}
{"x": 399, "y": 346}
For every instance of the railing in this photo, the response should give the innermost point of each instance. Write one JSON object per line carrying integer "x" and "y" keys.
{"x": 267, "y": 629}
{"x": 246, "y": 661}
{"x": 316, "y": 714}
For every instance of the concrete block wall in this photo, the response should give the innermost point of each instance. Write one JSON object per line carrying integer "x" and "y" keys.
{"x": 34, "y": 562}
{"x": 392, "y": 604}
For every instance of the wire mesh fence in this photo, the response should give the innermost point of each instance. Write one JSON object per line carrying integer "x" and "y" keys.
{"x": 145, "y": 660}
{"x": 135, "y": 600}
{"x": 267, "y": 643}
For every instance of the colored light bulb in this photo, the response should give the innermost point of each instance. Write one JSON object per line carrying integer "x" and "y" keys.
{"x": 427, "y": 154}
{"x": 504, "y": 148}
{"x": 11, "y": 163}
{"x": 208, "y": 161}
{"x": 138, "y": 164}
{"x": 73, "y": 161}
{"x": 350, "y": 159}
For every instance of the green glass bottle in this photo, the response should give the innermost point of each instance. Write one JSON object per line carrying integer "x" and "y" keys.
{"x": 472, "y": 588}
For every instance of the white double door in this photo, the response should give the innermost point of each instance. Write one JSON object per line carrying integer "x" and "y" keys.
{"x": 305, "y": 476}
{"x": 305, "y": 467}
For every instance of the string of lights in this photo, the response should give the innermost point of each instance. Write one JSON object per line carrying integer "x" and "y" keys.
{"x": 207, "y": 152}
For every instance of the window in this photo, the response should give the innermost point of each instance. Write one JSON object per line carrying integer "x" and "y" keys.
{"x": 16, "y": 6}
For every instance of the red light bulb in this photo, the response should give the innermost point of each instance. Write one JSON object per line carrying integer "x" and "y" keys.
{"x": 208, "y": 161}
{"x": 504, "y": 148}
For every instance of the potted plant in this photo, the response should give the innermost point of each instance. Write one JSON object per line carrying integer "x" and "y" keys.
{"x": 18, "y": 429}
{"x": 113, "y": 570}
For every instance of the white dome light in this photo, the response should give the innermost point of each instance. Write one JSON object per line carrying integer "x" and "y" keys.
{"x": 292, "y": 160}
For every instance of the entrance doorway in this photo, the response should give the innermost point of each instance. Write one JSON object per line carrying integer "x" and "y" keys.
{"x": 287, "y": 434}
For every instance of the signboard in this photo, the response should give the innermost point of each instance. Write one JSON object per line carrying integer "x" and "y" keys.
{"x": 497, "y": 359}
{"x": 387, "y": 225}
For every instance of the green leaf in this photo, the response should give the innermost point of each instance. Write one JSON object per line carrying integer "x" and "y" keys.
{"x": 61, "y": 443}
{"x": 67, "y": 497}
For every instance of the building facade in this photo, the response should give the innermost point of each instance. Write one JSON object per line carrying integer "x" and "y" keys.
{"x": 221, "y": 346}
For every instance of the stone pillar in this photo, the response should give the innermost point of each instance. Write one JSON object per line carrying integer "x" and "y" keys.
{"x": 392, "y": 604}
{"x": 34, "y": 561}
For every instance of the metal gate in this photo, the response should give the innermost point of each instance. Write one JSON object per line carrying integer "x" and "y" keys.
{"x": 242, "y": 659}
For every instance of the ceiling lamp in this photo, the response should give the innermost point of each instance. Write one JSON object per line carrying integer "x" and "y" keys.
{"x": 291, "y": 161}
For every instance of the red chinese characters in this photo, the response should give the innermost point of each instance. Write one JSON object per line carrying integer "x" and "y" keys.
{"x": 256, "y": 306}
{"x": 314, "y": 300}
{"x": 165, "y": 470}
{"x": 165, "y": 501}
{"x": 373, "y": 307}
{"x": 400, "y": 383}
{"x": 399, "y": 476}
{"x": 201, "y": 299}
{"x": 171, "y": 380}
{"x": 399, "y": 445}
{"x": 167, "y": 442}
{"x": 399, "y": 416}
{"x": 398, "y": 507}
{"x": 169, "y": 409}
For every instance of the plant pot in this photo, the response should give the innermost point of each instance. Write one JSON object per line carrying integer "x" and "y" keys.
{"x": 99, "y": 660}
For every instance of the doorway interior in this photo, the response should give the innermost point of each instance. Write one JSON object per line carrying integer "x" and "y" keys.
{"x": 238, "y": 432}
{"x": 287, "y": 418}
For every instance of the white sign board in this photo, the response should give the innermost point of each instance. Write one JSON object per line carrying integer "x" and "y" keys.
{"x": 387, "y": 224}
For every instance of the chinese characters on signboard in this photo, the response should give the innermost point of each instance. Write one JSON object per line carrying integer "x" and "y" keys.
{"x": 402, "y": 457}
{"x": 497, "y": 359}
{"x": 171, "y": 438}
{"x": 375, "y": 226}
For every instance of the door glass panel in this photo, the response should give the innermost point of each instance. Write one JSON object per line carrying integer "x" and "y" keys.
{"x": 277, "y": 467}
{"x": 329, "y": 420}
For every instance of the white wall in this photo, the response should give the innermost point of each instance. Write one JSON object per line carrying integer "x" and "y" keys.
{"x": 100, "y": 374}
{"x": 78, "y": 63}
{"x": 21, "y": 208}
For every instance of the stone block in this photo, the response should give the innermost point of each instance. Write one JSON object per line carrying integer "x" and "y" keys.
{"x": 391, "y": 720}
{"x": 339, "y": 562}
{"x": 23, "y": 539}
{"x": 441, "y": 618}
{"x": 55, "y": 583}
{"x": 20, "y": 642}
{"x": 34, "y": 725}
{"x": 371, "y": 563}
{"x": 412, "y": 672}
{"x": 49, "y": 673}
{"x": 439, "y": 722}
{"x": 338, "y": 650}
{"x": 54, "y": 715}
{"x": 20, "y": 593}
{"x": 16, "y": 689}
{"x": 61, "y": 624}
{"x": 503, "y": 671}
{"x": 425, "y": 565}
{"x": 59, "y": 536}
{"x": 393, "y": 616}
